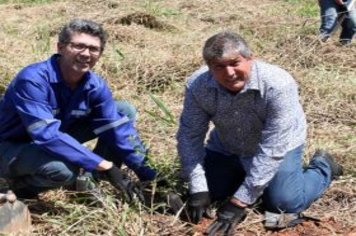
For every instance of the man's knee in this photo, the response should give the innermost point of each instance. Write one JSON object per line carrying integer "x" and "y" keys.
{"x": 127, "y": 109}
{"x": 58, "y": 173}
{"x": 284, "y": 201}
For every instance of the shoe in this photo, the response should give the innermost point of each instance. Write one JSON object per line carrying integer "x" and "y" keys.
{"x": 277, "y": 221}
{"x": 324, "y": 37}
{"x": 281, "y": 220}
{"x": 336, "y": 168}
{"x": 345, "y": 42}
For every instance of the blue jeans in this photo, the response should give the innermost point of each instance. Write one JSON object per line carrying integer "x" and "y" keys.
{"x": 291, "y": 190}
{"x": 29, "y": 166}
{"x": 330, "y": 12}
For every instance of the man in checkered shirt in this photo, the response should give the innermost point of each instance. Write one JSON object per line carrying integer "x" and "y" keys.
{"x": 255, "y": 147}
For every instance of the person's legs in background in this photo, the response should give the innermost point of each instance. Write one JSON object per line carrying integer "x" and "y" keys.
{"x": 328, "y": 15}
{"x": 348, "y": 27}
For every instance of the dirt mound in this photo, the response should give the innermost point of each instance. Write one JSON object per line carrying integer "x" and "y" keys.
{"x": 147, "y": 20}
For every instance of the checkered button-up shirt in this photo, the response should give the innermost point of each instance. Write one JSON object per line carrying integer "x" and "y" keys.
{"x": 260, "y": 124}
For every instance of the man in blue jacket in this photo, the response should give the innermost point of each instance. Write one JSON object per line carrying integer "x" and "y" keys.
{"x": 51, "y": 107}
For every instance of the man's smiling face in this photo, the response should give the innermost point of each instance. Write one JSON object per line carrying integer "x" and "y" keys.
{"x": 80, "y": 54}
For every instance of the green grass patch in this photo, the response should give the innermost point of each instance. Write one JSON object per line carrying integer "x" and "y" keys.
{"x": 306, "y": 8}
{"x": 157, "y": 10}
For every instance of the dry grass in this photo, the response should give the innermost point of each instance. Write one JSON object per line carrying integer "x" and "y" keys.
{"x": 154, "y": 45}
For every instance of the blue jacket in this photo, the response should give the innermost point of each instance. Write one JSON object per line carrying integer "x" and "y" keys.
{"x": 39, "y": 107}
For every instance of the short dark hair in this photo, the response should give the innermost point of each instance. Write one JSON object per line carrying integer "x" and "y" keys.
{"x": 82, "y": 26}
{"x": 219, "y": 44}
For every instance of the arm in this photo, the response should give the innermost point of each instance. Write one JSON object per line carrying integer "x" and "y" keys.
{"x": 283, "y": 111}
{"x": 31, "y": 101}
{"x": 119, "y": 132}
{"x": 191, "y": 134}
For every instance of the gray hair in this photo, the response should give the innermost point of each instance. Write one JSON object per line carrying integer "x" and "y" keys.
{"x": 224, "y": 42}
{"x": 82, "y": 26}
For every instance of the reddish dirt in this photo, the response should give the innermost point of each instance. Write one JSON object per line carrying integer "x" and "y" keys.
{"x": 308, "y": 228}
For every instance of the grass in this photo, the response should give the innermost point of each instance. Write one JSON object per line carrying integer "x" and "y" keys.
{"x": 154, "y": 8}
{"x": 167, "y": 117}
{"x": 25, "y": 1}
{"x": 306, "y": 8}
{"x": 148, "y": 66}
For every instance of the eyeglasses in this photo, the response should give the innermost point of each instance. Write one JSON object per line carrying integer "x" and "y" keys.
{"x": 80, "y": 47}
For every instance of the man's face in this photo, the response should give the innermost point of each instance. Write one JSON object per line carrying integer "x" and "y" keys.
{"x": 80, "y": 54}
{"x": 231, "y": 71}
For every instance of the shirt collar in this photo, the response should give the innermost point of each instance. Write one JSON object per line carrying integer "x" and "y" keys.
{"x": 55, "y": 74}
{"x": 254, "y": 83}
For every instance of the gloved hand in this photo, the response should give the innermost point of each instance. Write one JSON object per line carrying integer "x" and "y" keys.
{"x": 122, "y": 182}
{"x": 146, "y": 173}
{"x": 198, "y": 203}
{"x": 229, "y": 215}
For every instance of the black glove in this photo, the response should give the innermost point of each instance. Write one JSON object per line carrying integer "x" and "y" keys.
{"x": 198, "y": 203}
{"x": 122, "y": 182}
{"x": 229, "y": 215}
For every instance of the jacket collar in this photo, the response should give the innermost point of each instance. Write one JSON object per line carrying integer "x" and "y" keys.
{"x": 55, "y": 74}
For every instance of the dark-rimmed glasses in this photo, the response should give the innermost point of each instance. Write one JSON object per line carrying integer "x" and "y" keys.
{"x": 80, "y": 47}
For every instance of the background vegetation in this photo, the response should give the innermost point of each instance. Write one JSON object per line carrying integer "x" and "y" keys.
{"x": 154, "y": 45}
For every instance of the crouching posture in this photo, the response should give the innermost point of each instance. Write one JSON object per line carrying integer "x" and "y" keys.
{"x": 255, "y": 147}
{"x": 51, "y": 107}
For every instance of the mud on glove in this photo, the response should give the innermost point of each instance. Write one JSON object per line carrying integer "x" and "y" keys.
{"x": 127, "y": 187}
{"x": 198, "y": 203}
{"x": 229, "y": 215}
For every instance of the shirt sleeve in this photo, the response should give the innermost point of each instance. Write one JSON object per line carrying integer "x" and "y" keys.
{"x": 31, "y": 101}
{"x": 116, "y": 129}
{"x": 283, "y": 105}
{"x": 194, "y": 123}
